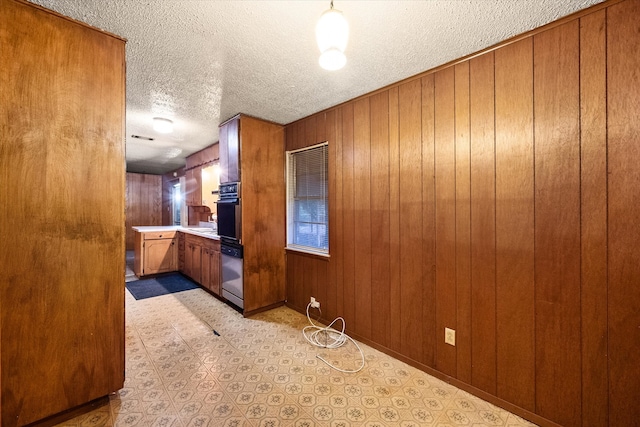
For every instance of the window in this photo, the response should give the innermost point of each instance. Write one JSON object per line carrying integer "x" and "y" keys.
{"x": 177, "y": 204}
{"x": 307, "y": 199}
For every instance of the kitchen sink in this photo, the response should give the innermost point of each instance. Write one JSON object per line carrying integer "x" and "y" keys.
{"x": 203, "y": 230}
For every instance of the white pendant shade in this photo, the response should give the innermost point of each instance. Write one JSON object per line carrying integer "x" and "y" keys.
{"x": 332, "y": 34}
{"x": 332, "y": 59}
{"x": 162, "y": 125}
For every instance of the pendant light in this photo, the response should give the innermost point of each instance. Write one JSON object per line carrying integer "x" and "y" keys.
{"x": 332, "y": 33}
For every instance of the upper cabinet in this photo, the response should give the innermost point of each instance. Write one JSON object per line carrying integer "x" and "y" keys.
{"x": 230, "y": 150}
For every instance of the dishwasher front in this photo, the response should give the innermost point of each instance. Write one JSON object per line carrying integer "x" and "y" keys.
{"x": 232, "y": 265}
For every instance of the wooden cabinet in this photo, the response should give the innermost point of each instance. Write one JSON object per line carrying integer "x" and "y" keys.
{"x": 62, "y": 204}
{"x": 181, "y": 252}
{"x": 254, "y": 150}
{"x": 155, "y": 252}
{"x": 211, "y": 266}
{"x": 230, "y": 150}
{"x": 202, "y": 261}
{"x": 165, "y": 251}
{"x": 193, "y": 257}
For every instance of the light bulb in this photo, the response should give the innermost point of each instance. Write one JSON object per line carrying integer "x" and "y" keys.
{"x": 332, "y": 34}
{"x": 332, "y": 59}
{"x": 162, "y": 125}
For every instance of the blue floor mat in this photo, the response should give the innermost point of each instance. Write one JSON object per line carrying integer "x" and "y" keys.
{"x": 161, "y": 285}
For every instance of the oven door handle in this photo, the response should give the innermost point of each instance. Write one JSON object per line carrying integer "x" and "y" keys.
{"x": 233, "y": 201}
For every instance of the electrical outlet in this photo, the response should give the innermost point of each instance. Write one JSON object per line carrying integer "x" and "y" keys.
{"x": 314, "y": 303}
{"x": 450, "y": 336}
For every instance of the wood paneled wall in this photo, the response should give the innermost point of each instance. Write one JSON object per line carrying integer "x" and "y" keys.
{"x": 62, "y": 127}
{"x": 500, "y": 197}
{"x": 144, "y": 202}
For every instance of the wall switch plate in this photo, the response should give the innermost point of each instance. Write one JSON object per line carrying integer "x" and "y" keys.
{"x": 450, "y": 336}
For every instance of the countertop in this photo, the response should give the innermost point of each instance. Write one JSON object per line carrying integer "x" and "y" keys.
{"x": 198, "y": 231}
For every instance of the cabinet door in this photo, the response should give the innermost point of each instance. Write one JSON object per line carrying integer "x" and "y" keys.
{"x": 138, "y": 242}
{"x": 188, "y": 259}
{"x": 181, "y": 252}
{"x": 193, "y": 260}
{"x": 214, "y": 281}
{"x": 159, "y": 256}
{"x": 197, "y": 263}
{"x": 211, "y": 267}
{"x": 230, "y": 151}
{"x": 205, "y": 275}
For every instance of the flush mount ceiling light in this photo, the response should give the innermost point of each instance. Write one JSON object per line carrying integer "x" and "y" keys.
{"x": 162, "y": 125}
{"x": 332, "y": 34}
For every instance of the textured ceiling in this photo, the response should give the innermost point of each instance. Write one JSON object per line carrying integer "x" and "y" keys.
{"x": 201, "y": 62}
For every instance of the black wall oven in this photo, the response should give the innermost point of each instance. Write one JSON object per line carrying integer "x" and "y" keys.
{"x": 231, "y": 251}
{"x": 229, "y": 213}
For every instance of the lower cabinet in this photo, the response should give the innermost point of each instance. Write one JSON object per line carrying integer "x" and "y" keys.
{"x": 193, "y": 257}
{"x": 211, "y": 266}
{"x": 181, "y": 252}
{"x": 202, "y": 261}
{"x": 156, "y": 252}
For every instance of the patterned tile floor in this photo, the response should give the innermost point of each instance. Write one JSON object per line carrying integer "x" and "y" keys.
{"x": 261, "y": 372}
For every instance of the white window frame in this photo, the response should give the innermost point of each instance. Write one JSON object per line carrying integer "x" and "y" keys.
{"x": 290, "y": 220}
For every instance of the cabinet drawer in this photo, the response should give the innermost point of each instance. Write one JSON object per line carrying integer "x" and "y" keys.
{"x": 160, "y": 235}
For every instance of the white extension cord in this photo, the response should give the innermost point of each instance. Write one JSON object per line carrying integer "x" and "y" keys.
{"x": 327, "y": 337}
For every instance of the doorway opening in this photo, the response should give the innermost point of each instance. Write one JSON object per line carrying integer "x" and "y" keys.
{"x": 176, "y": 202}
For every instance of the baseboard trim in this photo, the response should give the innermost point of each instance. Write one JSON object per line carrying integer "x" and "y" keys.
{"x": 71, "y": 413}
